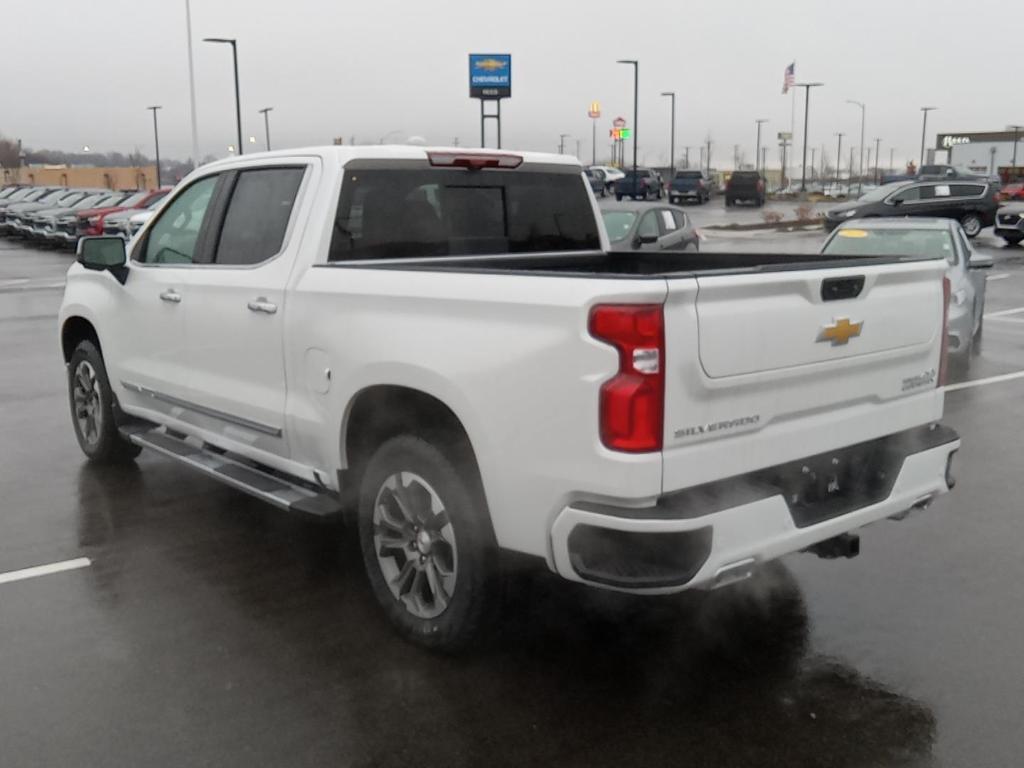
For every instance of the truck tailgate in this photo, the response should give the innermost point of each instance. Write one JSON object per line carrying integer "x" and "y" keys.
{"x": 809, "y": 359}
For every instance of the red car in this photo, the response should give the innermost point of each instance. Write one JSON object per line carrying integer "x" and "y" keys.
{"x": 1014, "y": 191}
{"x": 90, "y": 222}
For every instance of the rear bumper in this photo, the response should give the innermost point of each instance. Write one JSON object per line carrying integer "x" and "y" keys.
{"x": 704, "y": 536}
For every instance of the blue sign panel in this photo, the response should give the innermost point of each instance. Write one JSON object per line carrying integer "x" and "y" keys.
{"x": 490, "y": 75}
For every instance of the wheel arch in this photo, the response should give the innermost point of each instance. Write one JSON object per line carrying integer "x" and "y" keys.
{"x": 74, "y": 330}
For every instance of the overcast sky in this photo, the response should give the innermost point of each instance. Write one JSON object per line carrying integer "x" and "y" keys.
{"x": 84, "y": 72}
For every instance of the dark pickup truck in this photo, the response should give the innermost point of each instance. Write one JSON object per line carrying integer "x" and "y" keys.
{"x": 745, "y": 185}
{"x": 689, "y": 185}
{"x": 643, "y": 185}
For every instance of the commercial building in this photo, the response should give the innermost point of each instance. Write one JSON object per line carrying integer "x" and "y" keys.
{"x": 131, "y": 177}
{"x": 984, "y": 152}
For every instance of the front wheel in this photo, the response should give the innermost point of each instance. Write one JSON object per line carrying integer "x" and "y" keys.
{"x": 92, "y": 408}
{"x": 426, "y": 540}
{"x": 971, "y": 223}
{"x": 1013, "y": 239}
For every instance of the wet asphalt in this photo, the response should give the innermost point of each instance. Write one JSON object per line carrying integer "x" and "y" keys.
{"x": 212, "y": 630}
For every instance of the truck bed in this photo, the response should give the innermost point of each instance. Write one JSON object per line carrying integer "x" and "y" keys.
{"x": 642, "y": 264}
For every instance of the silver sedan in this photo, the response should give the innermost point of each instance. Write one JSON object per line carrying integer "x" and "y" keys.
{"x": 967, "y": 271}
{"x": 647, "y": 227}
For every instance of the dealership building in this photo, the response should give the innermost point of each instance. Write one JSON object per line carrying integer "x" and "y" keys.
{"x": 999, "y": 152}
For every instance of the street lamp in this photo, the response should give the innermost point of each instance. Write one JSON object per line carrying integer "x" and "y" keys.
{"x": 878, "y": 159}
{"x": 807, "y": 108}
{"x": 238, "y": 99}
{"x": 266, "y": 123}
{"x": 636, "y": 112}
{"x": 757, "y": 152}
{"x": 1016, "y": 135}
{"x": 156, "y": 141}
{"x": 860, "y": 173}
{"x": 839, "y": 155}
{"x": 924, "y": 129}
{"x": 672, "y": 140}
{"x": 561, "y": 142}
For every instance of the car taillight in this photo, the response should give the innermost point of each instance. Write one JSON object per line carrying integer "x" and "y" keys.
{"x": 473, "y": 161}
{"x": 760, "y": 185}
{"x": 944, "y": 354}
{"x": 632, "y": 401}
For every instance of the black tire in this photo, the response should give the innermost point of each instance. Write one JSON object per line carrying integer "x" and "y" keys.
{"x": 729, "y": 202}
{"x": 972, "y": 224}
{"x": 619, "y": 198}
{"x": 450, "y": 473}
{"x": 92, "y": 409}
{"x": 1012, "y": 240}
{"x": 659, "y": 193}
{"x": 976, "y": 343}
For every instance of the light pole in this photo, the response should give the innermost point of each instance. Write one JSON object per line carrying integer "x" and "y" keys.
{"x": 759, "y": 166}
{"x": 860, "y": 172}
{"x": 814, "y": 151}
{"x": 191, "y": 86}
{"x": 238, "y": 99}
{"x": 266, "y": 123}
{"x": 636, "y": 107}
{"x": 924, "y": 129}
{"x": 561, "y": 142}
{"x": 807, "y": 108}
{"x": 878, "y": 159}
{"x": 156, "y": 141}
{"x": 839, "y": 156}
{"x": 1016, "y": 136}
{"x": 672, "y": 141}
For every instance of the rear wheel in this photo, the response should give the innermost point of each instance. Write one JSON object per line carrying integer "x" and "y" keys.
{"x": 427, "y": 544}
{"x": 92, "y": 408}
{"x": 971, "y": 223}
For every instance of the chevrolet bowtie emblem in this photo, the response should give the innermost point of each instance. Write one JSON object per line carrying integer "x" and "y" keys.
{"x": 840, "y": 332}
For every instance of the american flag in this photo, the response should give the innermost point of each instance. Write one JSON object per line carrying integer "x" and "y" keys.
{"x": 789, "y": 79}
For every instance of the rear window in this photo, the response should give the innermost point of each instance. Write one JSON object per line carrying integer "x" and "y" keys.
{"x": 688, "y": 174}
{"x": 745, "y": 176}
{"x": 891, "y": 242}
{"x": 396, "y": 213}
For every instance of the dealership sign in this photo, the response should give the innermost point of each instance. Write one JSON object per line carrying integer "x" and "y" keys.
{"x": 490, "y": 75}
{"x": 952, "y": 141}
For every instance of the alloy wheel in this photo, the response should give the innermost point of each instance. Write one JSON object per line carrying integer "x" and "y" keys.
{"x": 88, "y": 409}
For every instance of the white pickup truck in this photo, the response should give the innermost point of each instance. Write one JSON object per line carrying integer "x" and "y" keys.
{"x": 440, "y": 344}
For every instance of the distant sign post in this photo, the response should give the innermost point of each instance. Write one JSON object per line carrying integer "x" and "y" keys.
{"x": 490, "y": 79}
{"x": 594, "y": 113}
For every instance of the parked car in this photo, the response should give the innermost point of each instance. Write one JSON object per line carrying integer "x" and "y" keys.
{"x": 41, "y": 223}
{"x": 611, "y": 174}
{"x": 25, "y": 196}
{"x": 1010, "y": 223}
{"x": 92, "y": 222}
{"x": 439, "y": 344}
{"x": 635, "y": 226}
{"x": 16, "y": 215}
{"x": 598, "y": 182}
{"x": 689, "y": 185}
{"x": 972, "y": 203}
{"x": 1013, "y": 191}
{"x": 61, "y": 228}
{"x": 119, "y": 222}
{"x": 922, "y": 238}
{"x": 747, "y": 186}
{"x": 644, "y": 185}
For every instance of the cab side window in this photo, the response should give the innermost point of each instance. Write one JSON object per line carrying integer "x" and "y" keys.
{"x": 257, "y": 216}
{"x": 173, "y": 237}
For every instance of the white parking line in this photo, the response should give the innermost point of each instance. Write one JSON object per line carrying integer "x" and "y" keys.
{"x": 983, "y": 382}
{"x": 1003, "y": 276}
{"x": 45, "y": 570}
{"x": 1004, "y": 312}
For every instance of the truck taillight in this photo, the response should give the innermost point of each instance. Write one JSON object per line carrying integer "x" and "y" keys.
{"x": 944, "y": 354}
{"x": 632, "y": 401}
{"x": 473, "y": 160}
{"x": 760, "y": 185}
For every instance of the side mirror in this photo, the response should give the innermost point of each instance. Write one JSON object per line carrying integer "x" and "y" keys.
{"x": 980, "y": 261}
{"x": 104, "y": 253}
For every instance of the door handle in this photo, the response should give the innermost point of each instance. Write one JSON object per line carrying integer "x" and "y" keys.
{"x": 262, "y": 305}
{"x": 171, "y": 295}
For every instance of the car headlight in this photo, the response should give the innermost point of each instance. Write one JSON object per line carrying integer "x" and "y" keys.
{"x": 849, "y": 214}
{"x": 94, "y": 220}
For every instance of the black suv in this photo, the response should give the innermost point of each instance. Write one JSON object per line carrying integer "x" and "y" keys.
{"x": 745, "y": 185}
{"x": 971, "y": 202}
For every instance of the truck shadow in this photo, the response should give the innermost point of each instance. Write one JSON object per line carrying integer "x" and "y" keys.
{"x": 185, "y": 569}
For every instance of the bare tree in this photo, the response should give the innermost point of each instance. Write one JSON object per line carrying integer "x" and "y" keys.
{"x": 8, "y": 153}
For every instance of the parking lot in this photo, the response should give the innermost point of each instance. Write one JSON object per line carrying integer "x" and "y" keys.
{"x": 206, "y": 628}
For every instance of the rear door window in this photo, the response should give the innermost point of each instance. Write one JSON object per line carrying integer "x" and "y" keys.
{"x": 668, "y": 221}
{"x": 393, "y": 213}
{"x": 967, "y": 190}
{"x": 258, "y": 214}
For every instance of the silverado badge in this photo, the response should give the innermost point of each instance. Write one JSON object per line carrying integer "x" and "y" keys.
{"x": 840, "y": 332}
